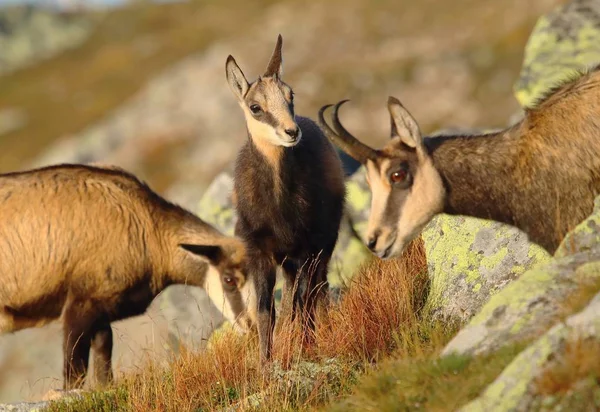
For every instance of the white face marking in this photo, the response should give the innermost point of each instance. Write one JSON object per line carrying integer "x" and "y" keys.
{"x": 262, "y": 131}
{"x": 250, "y": 300}
{"x": 380, "y": 196}
{"x": 214, "y": 288}
{"x": 425, "y": 200}
{"x": 415, "y": 206}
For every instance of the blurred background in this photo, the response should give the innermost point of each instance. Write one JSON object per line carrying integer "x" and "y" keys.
{"x": 141, "y": 84}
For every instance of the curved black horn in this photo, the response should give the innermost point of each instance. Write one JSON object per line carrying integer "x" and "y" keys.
{"x": 342, "y": 138}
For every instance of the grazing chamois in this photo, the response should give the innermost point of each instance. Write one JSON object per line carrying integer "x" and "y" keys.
{"x": 540, "y": 175}
{"x": 93, "y": 245}
{"x": 290, "y": 192}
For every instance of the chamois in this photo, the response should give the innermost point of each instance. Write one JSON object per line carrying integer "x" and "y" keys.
{"x": 540, "y": 175}
{"x": 93, "y": 245}
{"x": 289, "y": 185}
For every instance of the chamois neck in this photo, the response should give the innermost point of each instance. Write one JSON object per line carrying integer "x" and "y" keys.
{"x": 477, "y": 173}
{"x": 272, "y": 153}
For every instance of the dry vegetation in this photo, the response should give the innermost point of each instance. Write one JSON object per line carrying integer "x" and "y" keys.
{"x": 378, "y": 316}
{"x": 579, "y": 360}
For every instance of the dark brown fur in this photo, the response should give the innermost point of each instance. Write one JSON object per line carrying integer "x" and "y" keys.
{"x": 95, "y": 245}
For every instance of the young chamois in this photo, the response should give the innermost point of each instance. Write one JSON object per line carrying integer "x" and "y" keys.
{"x": 540, "y": 175}
{"x": 94, "y": 245}
{"x": 290, "y": 191}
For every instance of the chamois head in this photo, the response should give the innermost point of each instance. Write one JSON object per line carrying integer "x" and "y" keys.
{"x": 407, "y": 190}
{"x": 268, "y": 102}
{"x": 225, "y": 280}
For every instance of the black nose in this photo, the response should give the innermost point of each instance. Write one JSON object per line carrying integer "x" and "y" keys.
{"x": 293, "y": 133}
{"x": 372, "y": 242}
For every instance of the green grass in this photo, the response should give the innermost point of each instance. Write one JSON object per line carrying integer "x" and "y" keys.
{"x": 427, "y": 384}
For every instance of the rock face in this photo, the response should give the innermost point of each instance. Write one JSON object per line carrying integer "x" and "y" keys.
{"x": 29, "y": 34}
{"x": 528, "y": 305}
{"x": 469, "y": 260}
{"x": 562, "y": 42}
{"x": 532, "y": 303}
{"x": 514, "y": 389}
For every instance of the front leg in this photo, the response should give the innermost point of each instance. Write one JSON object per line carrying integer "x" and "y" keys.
{"x": 102, "y": 344}
{"x": 262, "y": 272}
{"x": 290, "y": 293}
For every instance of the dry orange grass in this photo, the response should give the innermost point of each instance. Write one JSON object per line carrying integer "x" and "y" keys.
{"x": 579, "y": 360}
{"x": 383, "y": 299}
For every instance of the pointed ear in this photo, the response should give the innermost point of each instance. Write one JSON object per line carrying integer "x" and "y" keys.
{"x": 213, "y": 253}
{"x": 236, "y": 79}
{"x": 275, "y": 67}
{"x": 403, "y": 124}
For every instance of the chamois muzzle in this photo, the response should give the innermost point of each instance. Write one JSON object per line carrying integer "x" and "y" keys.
{"x": 342, "y": 138}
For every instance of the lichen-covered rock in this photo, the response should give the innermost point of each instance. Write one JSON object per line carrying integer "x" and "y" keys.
{"x": 530, "y": 304}
{"x": 565, "y": 40}
{"x": 527, "y": 306}
{"x": 471, "y": 259}
{"x": 216, "y": 205}
{"x": 304, "y": 379}
{"x": 514, "y": 389}
{"x": 586, "y": 236}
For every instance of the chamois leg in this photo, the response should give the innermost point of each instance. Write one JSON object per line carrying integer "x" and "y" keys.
{"x": 289, "y": 298}
{"x": 262, "y": 272}
{"x": 316, "y": 294}
{"x": 102, "y": 344}
{"x": 78, "y": 321}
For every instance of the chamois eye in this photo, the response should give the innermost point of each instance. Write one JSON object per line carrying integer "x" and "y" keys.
{"x": 399, "y": 176}
{"x": 230, "y": 281}
{"x": 255, "y": 109}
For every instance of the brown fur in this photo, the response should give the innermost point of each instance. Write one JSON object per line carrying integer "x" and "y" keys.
{"x": 540, "y": 175}
{"x": 94, "y": 245}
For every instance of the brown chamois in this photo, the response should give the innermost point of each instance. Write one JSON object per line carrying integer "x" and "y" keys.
{"x": 93, "y": 245}
{"x": 290, "y": 192}
{"x": 540, "y": 175}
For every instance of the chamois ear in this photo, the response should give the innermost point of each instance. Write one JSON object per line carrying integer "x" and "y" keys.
{"x": 403, "y": 124}
{"x": 275, "y": 67}
{"x": 213, "y": 253}
{"x": 235, "y": 77}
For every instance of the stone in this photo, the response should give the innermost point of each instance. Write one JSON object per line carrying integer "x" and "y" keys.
{"x": 469, "y": 260}
{"x": 527, "y": 306}
{"x": 513, "y": 389}
{"x": 531, "y": 303}
{"x": 585, "y": 237}
{"x": 563, "y": 42}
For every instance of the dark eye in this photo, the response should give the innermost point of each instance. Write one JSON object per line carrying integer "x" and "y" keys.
{"x": 292, "y": 96}
{"x": 399, "y": 176}
{"x": 230, "y": 281}
{"x": 255, "y": 109}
